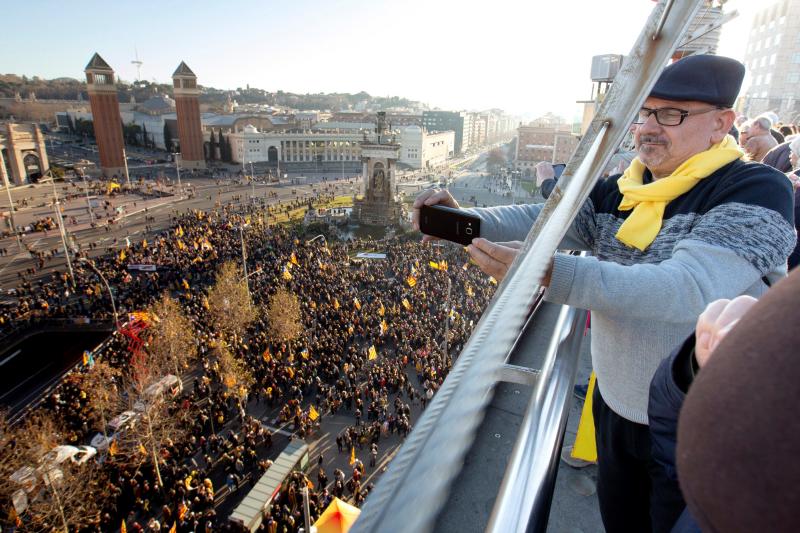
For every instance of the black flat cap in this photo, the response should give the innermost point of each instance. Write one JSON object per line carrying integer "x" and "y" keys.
{"x": 702, "y": 78}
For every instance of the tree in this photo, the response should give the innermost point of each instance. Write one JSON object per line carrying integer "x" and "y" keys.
{"x": 283, "y": 314}
{"x": 170, "y": 345}
{"x": 229, "y": 302}
{"x": 101, "y": 384}
{"x": 47, "y": 495}
{"x": 167, "y": 138}
{"x": 145, "y": 140}
{"x": 496, "y": 158}
{"x": 235, "y": 375}
{"x": 160, "y": 421}
{"x": 228, "y": 150}
{"x": 211, "y": 146}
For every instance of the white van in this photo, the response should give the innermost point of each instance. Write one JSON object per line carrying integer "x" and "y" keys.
{"x": 168, "y": 385}
{"x": 118, "y": 424}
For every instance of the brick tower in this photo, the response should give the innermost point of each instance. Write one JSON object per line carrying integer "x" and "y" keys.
{"x": 102, "y": 89}
{"x": 187, "y": 106}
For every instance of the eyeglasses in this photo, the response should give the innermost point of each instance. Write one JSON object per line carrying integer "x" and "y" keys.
{"x": 668, "y": 116}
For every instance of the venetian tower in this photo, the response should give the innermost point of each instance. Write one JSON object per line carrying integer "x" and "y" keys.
{"x": 102, "y": 89}
{"x": 187, "y": 106}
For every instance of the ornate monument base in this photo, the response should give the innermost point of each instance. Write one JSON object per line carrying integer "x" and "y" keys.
{"x": 379, "y": 206}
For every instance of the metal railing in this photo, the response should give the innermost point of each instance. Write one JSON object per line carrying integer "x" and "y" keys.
{"x": 411, "y": 494}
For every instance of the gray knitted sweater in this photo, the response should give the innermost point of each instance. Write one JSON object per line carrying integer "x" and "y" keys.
{"x": 729, "y": 235}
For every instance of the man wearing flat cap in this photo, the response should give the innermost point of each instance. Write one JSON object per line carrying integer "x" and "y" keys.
{"x": 689, "y": 222}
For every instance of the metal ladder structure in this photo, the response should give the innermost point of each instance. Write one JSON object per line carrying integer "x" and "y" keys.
{"x": 411, "y": 494}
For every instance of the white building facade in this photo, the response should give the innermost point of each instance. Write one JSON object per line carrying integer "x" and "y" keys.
{"x": 253, "y": 146}
{"x": 420, "y": 149}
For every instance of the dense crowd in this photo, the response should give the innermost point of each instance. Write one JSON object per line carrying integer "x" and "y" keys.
{"x": 347, "y": 304}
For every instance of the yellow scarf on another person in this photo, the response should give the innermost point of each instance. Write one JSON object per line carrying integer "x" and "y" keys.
{"x": 649, "y": 201}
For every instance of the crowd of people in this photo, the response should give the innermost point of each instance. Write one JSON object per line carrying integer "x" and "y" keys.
{"x": 348, "y": 305}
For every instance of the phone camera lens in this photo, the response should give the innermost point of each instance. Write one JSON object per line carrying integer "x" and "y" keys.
{"x": 468, "y": 231}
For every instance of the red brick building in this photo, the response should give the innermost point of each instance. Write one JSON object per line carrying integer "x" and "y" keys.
{"x": 554, "y": 144}
{"x": 187, "y": 107}
{"x": 102, "y": 89}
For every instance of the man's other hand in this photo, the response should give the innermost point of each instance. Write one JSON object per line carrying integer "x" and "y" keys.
{"x": 494, "y": 258}
{"x": 431, "y": 197}
{"x": 716, "y": 321}
{"x": 544, "y": 171}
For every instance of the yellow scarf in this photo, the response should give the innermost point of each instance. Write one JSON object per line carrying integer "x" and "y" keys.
{"x": 649, "y": 201}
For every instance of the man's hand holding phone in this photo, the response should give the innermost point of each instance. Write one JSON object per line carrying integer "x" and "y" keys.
{"x": 431, "y": 197}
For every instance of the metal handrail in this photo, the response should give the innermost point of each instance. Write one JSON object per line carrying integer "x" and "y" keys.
{"x": 523, "y": 501}
{"x": 435, "y": 450}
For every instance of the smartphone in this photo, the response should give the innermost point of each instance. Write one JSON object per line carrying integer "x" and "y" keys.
{"x": 450, "y": 224}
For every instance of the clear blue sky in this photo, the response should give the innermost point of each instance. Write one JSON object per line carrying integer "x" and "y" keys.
{"x": 523, "y": 56}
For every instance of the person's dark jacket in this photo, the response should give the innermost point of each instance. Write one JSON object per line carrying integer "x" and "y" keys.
{"x": 778, "y": 158}
{"x": 667, "y": 391}
{"x": 794, "y": 259}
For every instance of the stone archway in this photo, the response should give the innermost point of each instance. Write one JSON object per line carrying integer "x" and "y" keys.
{"x": 32, "y": 166}
{"x": 272, "y": 154}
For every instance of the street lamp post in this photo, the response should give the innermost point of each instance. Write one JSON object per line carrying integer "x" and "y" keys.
{"x": 96, "y": 270}
{"x": 127, "y": 176}
{"x": 178, "y": 171}
{"x": 244, "y": 258}
{"x": 11, "y": 209}
{"x": 61, "y": 227}
{"x": 88, "y": 201}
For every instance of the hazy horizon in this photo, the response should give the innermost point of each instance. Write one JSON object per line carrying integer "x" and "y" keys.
{"x": 451, "y": 55}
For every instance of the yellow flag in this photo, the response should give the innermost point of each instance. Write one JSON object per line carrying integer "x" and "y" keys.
{"x": 122, "y": 255}
{"x": 123, "y": 528}
{"x": 492, "y": 280}
{"x": 205, "y": 304}
{"x": 412, "y": 281}
{"x": 381, "y": 310}
{"x": 181, "y": 246}
{"x": 182, "y": 510}
{"x": 384, "y": 327}
{"x": 144, "y": 243}
{"x": 335, "y": 303}
{"x": 585, "y": 446}
{"x": 352, "y": 455}
{"x": 304, "y": 353}
{"x": 286, "y": 274}
{"x": 406, "y": 304}
{"x": 470, "y": 292}
{"x": 357, "y": 303}
{"x": 267, "y": 356}
{"x": 434, "y": 265}
{"x": 350, "y": 329}
{"x": 197, "y": 259}
{"x": 443, "y": 266}
{"x": 174, "y": 528}
{"x": 185, "y": 285}
{"x": 312, "y": 413}
{"x": 112, "y": 449}
{"x": 373, "y": 353}
{"x": 142, "y": 449}
{"x": 466, "y": 266}
{"x": 179, "y": 231}
{"x": 293, "y": 259}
